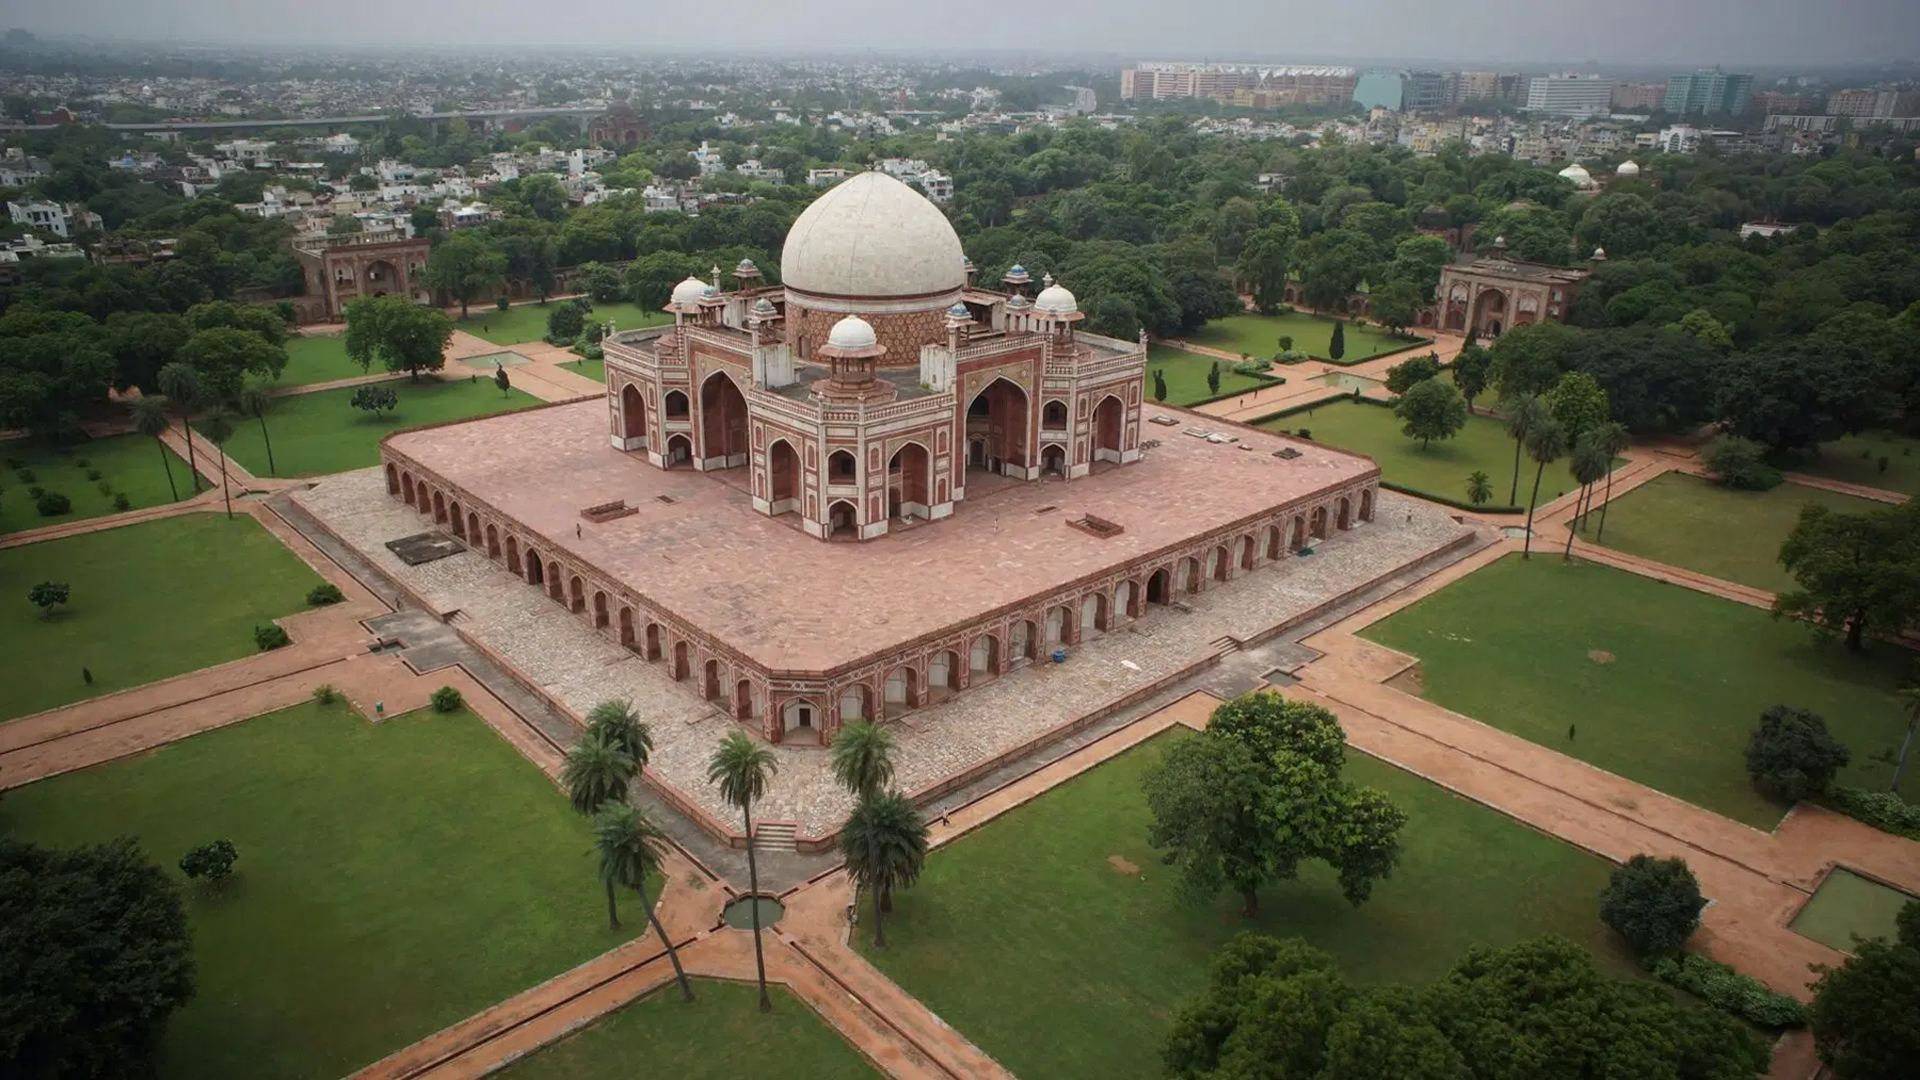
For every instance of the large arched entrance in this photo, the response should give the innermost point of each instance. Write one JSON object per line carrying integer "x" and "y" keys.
{"x": 843, "y": 521}
{"x": 909, "y": 479}
{"x": 679, "y": 453}
{"x": 783, "y": 477}
{"x": 1108, "y": 421}
{"x": 997, "y": 421}
{"x": 1157, "y": 586}
{"x": 723, "y": 423}
{"x": 633, "y": 414}
{"x": 1490, "y": 312}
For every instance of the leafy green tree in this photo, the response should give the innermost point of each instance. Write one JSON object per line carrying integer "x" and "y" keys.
{"x": 1791, "y": 755}
{"x": 374, "y": 399}
{"x": 1740, "y": 464}
{"x": 143, "y": 342}
{"x": 1479, "y": 488}
{"x": 1471, "y": 366}
{"x": 254, "y": 402}
{"x": 1417, "y": 262}
{"x": 49, "y": 594}
{"x": 223, "y": 357}
{"x": 597, "y": 771}
{"x": 1159, "y": 384}
{"x": 1700, "y": 325}
{"x": 600, "y": 282}
{"x": 1265, "y": 260}
{"x": 463, "y": 266}
{"x": 150, "y": 419}
{"x": 1335, "y": 263}
{"x": 863, "y": 758}
{"x": 1654, "y": 904}
{"x": 651, "y": 277}
{"x": 1795, "y": 395}
{"x": 402, "y": 335}
{"x": 1521, "y": 415}
{"x": 1863, "y": 1010}
{"x": 1395, "y": 306}
{"x": 1410, "y": 372}
{"x": 1257, "y": 793}
{"x": 263, "y": 322}
{"x": 1853, "y": 571}
{"x": 182, "y": 387}
{"x": 213, "y": 861}
{"x": 884, "y": 842}
{"x": 1530, "y": 359}
{"x": 742, "y": 768}
{"x": 1546, "y": 444}
{"x": 630, "y": 848}
{"x": 565, "y": 322}
{"x": 543, "y": 194}
{"x": 1578, "y": 403}
{"x": 1431, "y": 410}
{"x": 1213, "y": 378}
{"x": 218, "y": 429}
{"x": 98, "y": 956}
{"x": 616, "y": 722}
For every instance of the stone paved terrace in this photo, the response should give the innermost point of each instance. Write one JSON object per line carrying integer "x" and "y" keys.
{"x": 790, "y": 602}
{"x": 561, "y": 653}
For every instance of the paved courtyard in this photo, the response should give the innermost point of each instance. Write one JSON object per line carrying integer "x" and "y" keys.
{"x": 562, "y": 654}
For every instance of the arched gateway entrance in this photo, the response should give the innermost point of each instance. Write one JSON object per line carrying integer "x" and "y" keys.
{"x": 997, "y": 422}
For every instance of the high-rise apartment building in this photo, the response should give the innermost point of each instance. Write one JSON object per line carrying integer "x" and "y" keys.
{"x": 1639, "y": 97}
{"x": 1281, "y": 84}
{"x": 1873, "y": 104}
{"x": 1703, "y": 92}
{"x": 1569, "y": 95}
{"x": 1424, "y": 91}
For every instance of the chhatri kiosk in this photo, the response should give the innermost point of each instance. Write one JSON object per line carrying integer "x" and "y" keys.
{"x": 867, "y": 489}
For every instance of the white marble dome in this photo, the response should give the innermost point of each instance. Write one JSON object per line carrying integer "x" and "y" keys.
{"x": 1055, "y": 300}
{"x": 873, "y": 237}
{"x": 852, "y": 332}
{"x": 690, "y": 291}
{"x": 1577, "y": 174}
{"x": 1627, "y": 168}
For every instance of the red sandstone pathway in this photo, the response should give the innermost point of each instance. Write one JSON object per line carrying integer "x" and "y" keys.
{"x": 1301, "y": 389}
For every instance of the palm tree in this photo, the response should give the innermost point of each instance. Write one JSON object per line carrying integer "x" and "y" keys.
{"x": 1522, "y": 414}
{"x": 1615, "y": 438}
{"x": 1546, "y": 442}
{"x": 885, "y": 844}
{"x": 596, "y": 772}
{"x": 219, "y": 430}
{"x": 742, "y": 767}
{"x": 619, "y": 725}
{"x": 1909, "y": 696}
{"x": 629, "y": 847}
{"x": 863, "y": 758}
{"x": 1479, "y": 487}
{"x": 150, "y": 418}
{"x": 1591, "y": 462}
{"x": 181, "y": 384}
{"x": 253, "y": 402}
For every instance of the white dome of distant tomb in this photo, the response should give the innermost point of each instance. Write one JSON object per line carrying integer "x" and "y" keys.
{"x": 691, "y": 291}
{"x": 1627, "y": 168}
{"x": 873, "y": 237}
{"x": 852, "y": 332}
{"x": 1577, "y": 175}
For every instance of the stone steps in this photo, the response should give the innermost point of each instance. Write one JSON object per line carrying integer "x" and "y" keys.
{"x": 775, "y": 836}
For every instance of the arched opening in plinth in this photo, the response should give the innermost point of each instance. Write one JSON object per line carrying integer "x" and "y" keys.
{"x": 1023, "y": 644}
{"x": 633, "y": 413}
{"x": 680, "y": 661}
{"x": 1220, "y": 564}
{"x": 493, "y": 542}
{"x": 1246, "y": 553}
{"x": 909, "y": 481}
{"x": 997, "y": 418}
{"x": 679, "y": 452}
{"x": 902, "y": 689}
{"x": 1299, "y": 539}
{"x": 601, "y": 617}
{"x": 473, "y": 527}
{"x": 1109, "y": 422}
{"x": 536, "y": 572}
{"x": 943, "y": 677}
{"x": 843, "y": 468}
{"x": 439, "y": 508}
{"x": 1345, "y": 518}
{"x": 1093, "y": 615}
{"x": 1191, "y": 580}
{"x": 783, "y": 477}
{"x": 1273, "y": 543}
{"x": 723, "y": 422}
{"x": 1053, "y": 460}
{"x": 626, "y": 627}
{"x": 513, "y": 554}
{"x": 743, "y": 700}
{"x": 651, "y": 649}
{"x": 843, "y": 520}
{"x": 576, "y": 595}
{"x": 799, "y": 721}
{"x": 406, "y": 489}
{"x": 1053, "y": 416}
{"x": 1366, "y": 505}
{"x": 856, "y": 703}
{"x": 710, "y": 680}
{"x": 983, "y": 657}
{"x": 1317, "y": 523}
{"x": 1158, "y": 584}
{"x": 456, "y": 523}
{"x": 393, "y": 480}
{"x": 1059, "y": 626}
{"x": 556, "y": 584}
{"x": 673, "y": 405}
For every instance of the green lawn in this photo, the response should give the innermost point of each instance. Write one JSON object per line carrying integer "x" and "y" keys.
{"x": 1187, "y": 375}
{"x": 1259, "y": 335}
{"x": 1846, "y": 906}
{"x": 1664, "y": 684}
{"x": 318, "y": 433}
{"x": 721, "y": 1036}
{"x": 592, "y": 369}
{"x": 1033, "y": 941}
{"x": 528, "y": 322}
{"x": 1697, "y": 524}
{"x": 149, "y": 601}
{"x": 316, "y": 358}
{"x": 1443, "y": 467}
{"x": 1844, "y": 460}
{"x": 129, "y": 464}
{"x": 393, "y": 878}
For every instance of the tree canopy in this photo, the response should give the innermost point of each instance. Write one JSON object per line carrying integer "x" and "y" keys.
{"x": 400, "y": 334}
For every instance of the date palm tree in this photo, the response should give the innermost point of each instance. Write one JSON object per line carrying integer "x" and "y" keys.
{"x": 885, "y": 844}
{"x": 1522, "y": 414}
{"x": 254, "y": 402}
{"x": 1591, "y": 464}
{"x": 619, "y": 725}
{"x": 630, "y": 852}
{"x": 597, "y": 771}
{"x": 863, "y": 758}
{"x": 1614, "y": 437}
{"x": 1479, "y": 488}
{"x": 219, "y": 430}
{"x": 742, "y": 768}
{"x": 150, "y": 419}
{"x": 181, "y": 384}
{"x": 1546, "y": 443}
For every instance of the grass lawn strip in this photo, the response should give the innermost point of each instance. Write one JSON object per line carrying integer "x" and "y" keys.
{"x": 319, "y": 433}
{"x": 1186, "y": 375}
{"x": 721, "y": 1036}
{"x": 1259, "y": 335}
{"x": 393, "y": 878}
{"x": 128, "y": 464}
{"x": 1702, "y": 526}
{"x": 315, "y": 358}
{"x": 149, "y": 601}
{"x": 1846, "y": 906}
{"x": 1056, "y": 940}
{"x": 528, "y": 322}
{"x": 1662, "y": 684}
{"x": 592, "y": 369}
{"x": 1843, "y": 460}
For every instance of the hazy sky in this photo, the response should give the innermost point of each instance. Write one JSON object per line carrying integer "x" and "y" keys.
{"x": 1785, "y": 32}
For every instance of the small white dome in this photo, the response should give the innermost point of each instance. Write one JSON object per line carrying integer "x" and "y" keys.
{"x": 689, "y": 291}
{"x": 1055, "y": 300}
{"x": 852, "y": 332}
{"x": 1627, "y": 168}
{"x": 1577, "y": 174}
{"x": 1599, "y": 254}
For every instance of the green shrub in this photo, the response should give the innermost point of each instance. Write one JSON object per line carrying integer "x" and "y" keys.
{"x": 1791, "y": 755}
{"x": 104, "y": 487}
{"x": 1253, "y": 367}
{"x": 94, "y": 474}
{"x": 325, "y": 593}
{"x": 1652, "y": 903}
{"x": 85, "y": 463}
{"x": 36, "y": 491}
{"x": 52, "y": 504}
{"x": 1740, "y": 464}
{"x": 122, "y": 503}
{"x": 270, "y": 636}
{"x": 325, "y": 694}
{"x": 593, "y": 352}
{"x": 27, "y": 476}
{"x": 1742, "y": 995}
{"x": 213, "y": 861}
{"x": 1881, "y": 809}
{"x": 502, "y": 303}
{"x": 446, "y": 699}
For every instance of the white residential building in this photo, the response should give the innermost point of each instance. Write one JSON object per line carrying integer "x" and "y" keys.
{"x": 246, "y": 151}
{"x": 62, "y": 220}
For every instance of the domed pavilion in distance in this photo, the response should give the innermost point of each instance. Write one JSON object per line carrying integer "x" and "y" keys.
{"x": 874, "y": 486}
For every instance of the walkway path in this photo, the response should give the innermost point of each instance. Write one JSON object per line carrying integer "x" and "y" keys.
{"x": 1301, "y": 389}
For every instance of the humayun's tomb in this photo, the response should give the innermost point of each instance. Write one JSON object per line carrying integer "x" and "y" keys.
{"x": 875, "y": 488}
